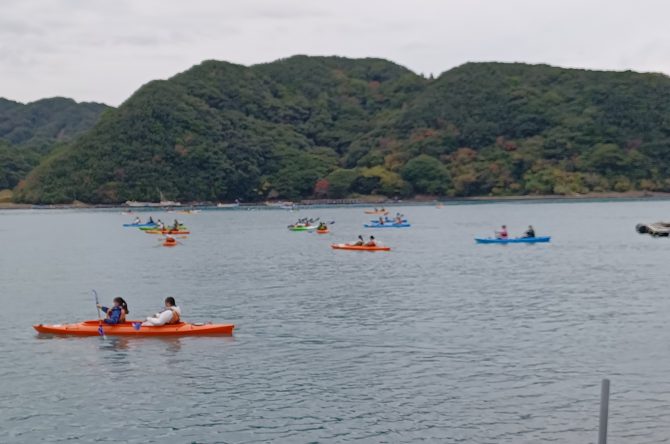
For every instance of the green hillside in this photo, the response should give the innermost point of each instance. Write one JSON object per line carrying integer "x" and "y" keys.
{"x": 333, "y": 127}
{"x": 29, "y": 131}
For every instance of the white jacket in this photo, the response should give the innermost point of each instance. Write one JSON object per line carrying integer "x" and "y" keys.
{"x": 163, "y": 317}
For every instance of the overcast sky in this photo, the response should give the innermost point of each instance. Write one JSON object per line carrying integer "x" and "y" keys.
{"x": 95, "y": 50}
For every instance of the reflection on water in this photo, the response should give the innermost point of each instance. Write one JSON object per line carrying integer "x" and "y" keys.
{"x": 440, "y": 341}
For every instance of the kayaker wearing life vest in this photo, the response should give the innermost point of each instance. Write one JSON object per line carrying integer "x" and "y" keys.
{"x": 322, "y": 226}
{"x": 371, "y": 242}
{"x": 117, "y": 313}
{"x": 530, "y": 232}
{"x": 502, "y": 234}
{"x": 175, "y": 226}
{"x": 171, "y": 314}
{"x": 151, "y": 220}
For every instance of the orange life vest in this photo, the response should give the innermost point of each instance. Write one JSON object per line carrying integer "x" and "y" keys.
{"x": 175, "y": 317}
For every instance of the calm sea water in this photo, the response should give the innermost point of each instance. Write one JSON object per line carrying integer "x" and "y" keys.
{"x": 440, "y": 340}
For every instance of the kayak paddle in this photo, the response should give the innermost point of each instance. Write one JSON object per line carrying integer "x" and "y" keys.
{"x": 100, "y": 330}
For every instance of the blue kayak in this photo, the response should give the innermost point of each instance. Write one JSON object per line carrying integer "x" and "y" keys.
{"x": 405, "y": 225}
{"x": 519, "y": 240}
{"x": 140, "y": 225}
{"x": 387, "y": 221}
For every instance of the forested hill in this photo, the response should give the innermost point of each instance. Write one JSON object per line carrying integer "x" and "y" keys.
{"x": 334, "y": 127}
{"x": 29, "y": 131}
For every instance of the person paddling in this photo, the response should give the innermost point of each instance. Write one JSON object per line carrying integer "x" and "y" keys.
{"x": 137, "y": 220}
{"x": 151, "y": 220}
{"x": 117, "y": 313}
{"x": 360, "y": 242}
{"x": 502, "y": 234}
{"x": 530, "y": 232}
{"x": 371, "y": 242}
{"x": 171, "y": 314}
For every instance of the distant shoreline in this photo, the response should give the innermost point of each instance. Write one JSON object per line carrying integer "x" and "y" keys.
{"x": 364, "y": 202}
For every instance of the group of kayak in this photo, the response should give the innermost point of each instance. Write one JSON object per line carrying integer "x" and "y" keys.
{"x": 166, "y": 322}
{"x": 158, "y": 227}
{"x": 309, "y": 224}
{"x": 502, "y": 237}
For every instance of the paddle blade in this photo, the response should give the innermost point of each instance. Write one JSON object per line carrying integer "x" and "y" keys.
{"x": 101, "y": 332}
{"x": 137, "y": 325}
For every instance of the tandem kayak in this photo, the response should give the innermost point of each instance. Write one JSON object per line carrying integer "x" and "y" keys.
{"x": 303, "y": 228}
{"x": 405, "y": 225}
{"x": 90, "y": 328}
{"x": 519, "y": 240}
{"x": 359, "y": 247}
{"x": 155, "y": 227}
{"x": 140, "y": 225}
{"x": 387, "y": 221}
{"x": 167, "y": 232}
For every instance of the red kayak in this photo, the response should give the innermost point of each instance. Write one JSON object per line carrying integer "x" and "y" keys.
{"x": 359, "y": 247}
{"x": 90, "y": 328}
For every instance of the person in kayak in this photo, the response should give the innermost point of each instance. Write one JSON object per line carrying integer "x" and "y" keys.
{"x": 117, "y": 313}
{"x": 371, "y": 242}
{"x": 381, "y": 221}
{"x": 175, "y": 225}
{"x": 171, "y": 314}
{"x": 161, "y": 225}
{"x": 322, "y": 226}
{"x": 151, "y": 220}
{"x": 502, "y": 234}
{"x": 530, "y": 232}
{"x": 137, "y": 220}
{"x": 360, "y": 242}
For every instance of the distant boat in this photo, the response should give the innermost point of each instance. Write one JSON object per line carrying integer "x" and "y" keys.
{"x": 169, "y": 203}
{"x": 287, "y": 205}
{"x": 162, "y": 203}
{"x": 229, "y": 205}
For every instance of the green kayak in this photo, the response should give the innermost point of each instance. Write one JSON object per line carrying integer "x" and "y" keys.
{"x": 303, "y": 227}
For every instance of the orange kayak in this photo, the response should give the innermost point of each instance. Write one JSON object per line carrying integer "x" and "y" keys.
{"x": 170, "y": 242}
{"x": 359, "y": 247}
{"x": 90, "y": 328}
{"x": 167, "y": 232}
{"x": 326, "y": 231}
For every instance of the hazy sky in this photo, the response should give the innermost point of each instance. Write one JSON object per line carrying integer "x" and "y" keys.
{"x": 103, "y": 50}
